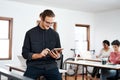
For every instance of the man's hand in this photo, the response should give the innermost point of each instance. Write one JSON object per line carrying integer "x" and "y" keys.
{"x": 55, "y": 53}
{"x": 41, "y": 55}
{"x": 45, "y": 52}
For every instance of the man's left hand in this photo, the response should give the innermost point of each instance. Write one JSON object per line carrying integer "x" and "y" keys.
{"x": 55, "y": 54}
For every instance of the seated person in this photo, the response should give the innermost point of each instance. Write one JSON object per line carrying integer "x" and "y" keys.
{"x": 104, "y": 53}
{"x": 114, "y": 59}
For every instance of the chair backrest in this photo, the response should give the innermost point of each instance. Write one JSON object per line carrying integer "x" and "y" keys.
{"x": 22, "y": 61}
{"x": 60, "y": 62}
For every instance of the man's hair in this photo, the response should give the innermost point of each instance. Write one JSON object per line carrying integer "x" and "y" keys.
{"x": 106, "y": 42}
{"x": 40, "y": 14}
{"x": 116, "y": 42}
{"x": 48, "y": 13}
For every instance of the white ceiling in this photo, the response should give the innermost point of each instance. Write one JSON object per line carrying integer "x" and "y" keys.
{"x": 80, "y": 5}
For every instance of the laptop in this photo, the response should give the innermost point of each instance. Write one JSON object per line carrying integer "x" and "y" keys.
{"x": 22, "y": 61}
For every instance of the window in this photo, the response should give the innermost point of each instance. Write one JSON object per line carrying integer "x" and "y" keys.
{"x": 6, "y": 25}
{"x": 82, "y": 37}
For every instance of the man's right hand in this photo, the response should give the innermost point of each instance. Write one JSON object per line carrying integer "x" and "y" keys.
{"x": 45, "y": 52}
{"x": 41, "y": 55}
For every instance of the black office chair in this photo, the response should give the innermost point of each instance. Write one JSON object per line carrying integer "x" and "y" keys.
{"x": 60, "y": 62}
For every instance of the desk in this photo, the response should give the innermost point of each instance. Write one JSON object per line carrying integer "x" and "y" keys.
{"x": 90, "y": 59}
{"x": 93, "y": 64}
{"x": 17, "y": 68}
{"x": 23, "y": 68}
{"x": 12, "y": 76}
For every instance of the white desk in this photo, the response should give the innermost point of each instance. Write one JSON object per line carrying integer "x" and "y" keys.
{"x": 93, "y": 64}
{"x": 12, "y": 76}
{"x": 90, "y": 59}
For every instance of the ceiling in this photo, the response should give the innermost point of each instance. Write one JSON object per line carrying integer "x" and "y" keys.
{"x": 80, "y": 5}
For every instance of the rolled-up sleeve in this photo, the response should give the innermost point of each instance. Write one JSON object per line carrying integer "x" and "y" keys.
{"x": 26, "y": 49}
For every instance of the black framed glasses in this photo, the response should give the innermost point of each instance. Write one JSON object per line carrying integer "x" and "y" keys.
{"x": 50, "y": 23}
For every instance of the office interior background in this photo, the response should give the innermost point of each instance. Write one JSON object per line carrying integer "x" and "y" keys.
{"x": 103, "y": 25}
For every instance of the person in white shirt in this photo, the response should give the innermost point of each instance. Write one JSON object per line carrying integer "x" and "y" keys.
{"x": 104, "y": 53}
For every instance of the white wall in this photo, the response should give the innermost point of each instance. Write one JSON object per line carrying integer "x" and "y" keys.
{"x": 25, "y": 17}
{"x": 107, "y": 26}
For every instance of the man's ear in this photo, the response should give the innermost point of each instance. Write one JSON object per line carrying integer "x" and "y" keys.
{"x": 41, "y": 18}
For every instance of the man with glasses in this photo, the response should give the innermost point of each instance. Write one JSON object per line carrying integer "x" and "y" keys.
{"x": 38, "y": 48}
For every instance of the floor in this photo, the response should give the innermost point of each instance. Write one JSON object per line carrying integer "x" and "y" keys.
{"x": 79, "y": 77}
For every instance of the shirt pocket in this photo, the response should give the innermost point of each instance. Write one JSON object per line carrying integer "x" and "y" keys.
{"x": 51, "y": 44}
{"x": 36, "y": 46}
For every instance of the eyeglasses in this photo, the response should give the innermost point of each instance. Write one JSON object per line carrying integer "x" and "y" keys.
{"x": 49, "y": 23}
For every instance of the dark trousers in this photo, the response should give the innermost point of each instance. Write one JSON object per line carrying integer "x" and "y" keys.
{"x": 95, "y": 72}
{"x": 49, "y": 74}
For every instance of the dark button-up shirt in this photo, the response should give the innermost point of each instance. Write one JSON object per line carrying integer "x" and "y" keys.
{"x": 35, "y": 41}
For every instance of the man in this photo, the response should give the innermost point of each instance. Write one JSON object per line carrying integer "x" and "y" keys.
{"x": 38, "y": 49}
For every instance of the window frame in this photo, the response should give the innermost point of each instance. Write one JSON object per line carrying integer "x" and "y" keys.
{"x": 9, "y": 37}
{"x": 88, "y": 33}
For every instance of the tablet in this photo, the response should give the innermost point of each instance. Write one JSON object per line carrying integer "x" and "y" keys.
{"x": 57, "y": 49}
